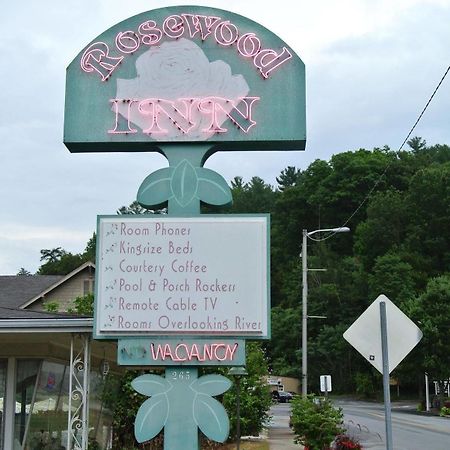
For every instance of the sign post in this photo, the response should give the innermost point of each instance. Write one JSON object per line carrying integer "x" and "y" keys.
{"x": 184, "y": 290}
{"x": 386, "y": 386}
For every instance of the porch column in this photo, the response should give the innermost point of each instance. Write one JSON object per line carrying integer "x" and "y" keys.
{"x": 10, "y": 405}
{"x": 79, "y": 376}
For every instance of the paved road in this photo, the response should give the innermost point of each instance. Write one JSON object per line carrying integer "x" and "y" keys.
{"x": 281, "y": 436}
{"x": 410, "y": 431}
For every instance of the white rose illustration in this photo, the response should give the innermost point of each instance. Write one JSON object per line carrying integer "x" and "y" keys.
{"x": 177, "y": 70}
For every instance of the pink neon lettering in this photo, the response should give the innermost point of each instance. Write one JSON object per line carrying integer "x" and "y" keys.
{"x": 127, "y": 42}
{"x": 231, "y": 351}
{"x": 178, "y": 358}
{"x": 150, "y": 34}
{"x": 215, "y": 105}
{"x": 159, "y": 352}
{"x": 268, "y": 60}
{"x": 120, "y": 127}
{"x": 248, "y": 45}
{"x": 182, "y": 352}
{"x": 208, "y": 352}
{"x": 96, "y": 58}
{"x": 226, "y": 33}
{"x": 147, "y": 108}
{"x": 180, "y": 114}
{"x": 222, "y": 346}
{"x": 208, "y": 106}
{"x": 192, "y": 23}
{"x": 194, "y": 353}
{"x": 179, "y": 120}
{"x": 173, "y": 26}
{"x": 202, "y": 24}
{"x": 168, "y": 352}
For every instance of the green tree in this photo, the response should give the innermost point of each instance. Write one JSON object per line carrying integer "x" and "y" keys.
{"x": 283, "y": 348}
{"x": 431, "y": 312}
{"x": 89, "y": 251}
{"x": 428, "y": 239}
{"x": 136, "y": 208}
{"x": 392, "y": 276}
{"x": 288, "y": 177}
{"x": 417, "y": 144}
{"x": 384, "y": 227}
{"x": 255, "y": 398}
{"x": 59, "y": 262}
{"x": 253, "y": 197}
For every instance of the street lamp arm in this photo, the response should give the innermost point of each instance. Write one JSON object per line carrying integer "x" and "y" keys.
{"x": 331, "y": 230}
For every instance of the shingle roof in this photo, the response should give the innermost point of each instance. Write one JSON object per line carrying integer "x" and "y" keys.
{"x": 13, "y": 313}
{"x": 16, "y": 290}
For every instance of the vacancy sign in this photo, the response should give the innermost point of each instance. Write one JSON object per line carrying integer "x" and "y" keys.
{"x": 160, "y": 275}
{"x": 365, "y": 334}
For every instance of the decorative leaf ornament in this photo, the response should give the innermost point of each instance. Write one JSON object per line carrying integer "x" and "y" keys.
{"x": 194, "y": 397}
{"x": 154, "y": 412}
{"x": 185, "y": 184}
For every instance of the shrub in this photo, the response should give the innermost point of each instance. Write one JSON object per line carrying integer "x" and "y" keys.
{"x": 315, "y": 423}
{"x": 444, "y": 411}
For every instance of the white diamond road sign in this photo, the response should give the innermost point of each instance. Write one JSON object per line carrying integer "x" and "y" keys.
{"x": 365, "y": 334}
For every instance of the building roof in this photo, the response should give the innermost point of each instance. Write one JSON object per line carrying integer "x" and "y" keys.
{"x": 57, "y": 283}
{"x": 15, "y": 313}
{"x": 16, "y": 290}
{"x": 19, "y": 291}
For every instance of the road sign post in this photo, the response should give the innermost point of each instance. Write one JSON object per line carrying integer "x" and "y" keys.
{"x": 386, "y": 386}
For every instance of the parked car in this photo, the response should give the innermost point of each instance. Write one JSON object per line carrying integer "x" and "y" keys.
{"x": 282, "y": 396}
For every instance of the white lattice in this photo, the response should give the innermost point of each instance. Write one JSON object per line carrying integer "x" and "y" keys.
{"x": 78, "y": 414}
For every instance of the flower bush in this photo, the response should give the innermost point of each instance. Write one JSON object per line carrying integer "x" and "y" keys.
{"x": 344, "y": 442}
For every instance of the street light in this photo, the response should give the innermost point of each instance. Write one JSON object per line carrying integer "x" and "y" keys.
{"x": 304, "y": 254}
{"x": 238, "y": 372}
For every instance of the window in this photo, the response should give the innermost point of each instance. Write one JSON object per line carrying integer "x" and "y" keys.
{"x": 88, "y": 286}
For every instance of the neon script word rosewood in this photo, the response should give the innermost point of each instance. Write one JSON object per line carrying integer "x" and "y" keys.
{"x": 183, "y": 114}
{"x": 98, "y": 58}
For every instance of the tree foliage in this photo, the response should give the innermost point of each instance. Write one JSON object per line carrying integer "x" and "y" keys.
{"x": 431, "y": 311}
{"x": 255, "y": 398}
{"x": 57, "y": 261}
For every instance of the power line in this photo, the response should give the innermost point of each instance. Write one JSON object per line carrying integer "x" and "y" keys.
{"x": 377, "y": 182}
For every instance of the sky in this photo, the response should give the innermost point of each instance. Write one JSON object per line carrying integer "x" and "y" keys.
{"x": 371, "y": 66}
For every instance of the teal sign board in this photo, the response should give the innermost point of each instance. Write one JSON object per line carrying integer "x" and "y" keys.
{"x": 185, "y": 74}
{"x": 179, "y": 352}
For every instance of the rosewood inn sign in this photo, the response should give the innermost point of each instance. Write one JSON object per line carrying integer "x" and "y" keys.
{"x": 184, "y": 289}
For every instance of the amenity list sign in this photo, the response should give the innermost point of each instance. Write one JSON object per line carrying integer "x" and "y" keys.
{"x": 160, "y": 275}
